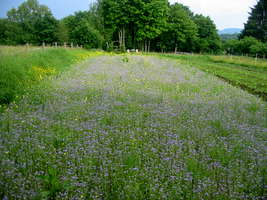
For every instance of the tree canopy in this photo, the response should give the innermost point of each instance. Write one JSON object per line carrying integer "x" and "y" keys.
{"x": 153, "y": 25}
{"x": 256, "y": 25}
{"x": 35, "y": 22}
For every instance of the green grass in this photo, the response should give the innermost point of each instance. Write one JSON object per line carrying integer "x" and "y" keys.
{"x": 244, "y": 72}
{"x": 135, "y": 128}
{"x": 22, "y": 67}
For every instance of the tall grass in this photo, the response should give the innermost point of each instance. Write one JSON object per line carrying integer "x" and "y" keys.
{"x": 244, "y": 61}
{"x": 244, "y": 72}
{"x": 22, "y": 67}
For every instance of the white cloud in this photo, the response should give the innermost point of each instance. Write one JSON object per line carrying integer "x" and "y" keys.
{"x": 225, "y": 13}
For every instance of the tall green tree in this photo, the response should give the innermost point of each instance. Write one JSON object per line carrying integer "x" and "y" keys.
{"x": 81, "y": 30}
{"x": 3, "y": 24}
{"x": 151, "y": 22}
{"x": 142, "y": 20}
{"x": 208, "y": 38}
{"x": 181, "y": 31}
{"x": 256, "y": 25}
{"x": 36, "y": 21}
{"x": 62, "y": 33}
{"x": 116, "y": 18}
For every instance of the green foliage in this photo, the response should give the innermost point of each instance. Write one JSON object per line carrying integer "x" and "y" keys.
{"x": 81, "y": 30}
{"x": 226, "y": 37}
{"x": 3, "y": 24}
{"x": 85, "y": 34}
{"x": 181, "y": 31}
{"x": 151, "y": 19}
{"x": 114, "y": 25}
{"x": 246, "y": 46}
{"x": 62, "y": 33}
{"x": 208, "y": 40}
{"x": 256, "y": 25}
{"x": 52, "y": 185}
{"x": 141, "y": 20}
{"x": 36, "y": 22}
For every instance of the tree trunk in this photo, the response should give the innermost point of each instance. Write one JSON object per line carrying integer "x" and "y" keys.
{"x": 122, "y": 39}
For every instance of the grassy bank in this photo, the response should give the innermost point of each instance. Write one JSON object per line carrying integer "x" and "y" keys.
{"x": 244, "y": 72}
{"x": 22, "y": 67}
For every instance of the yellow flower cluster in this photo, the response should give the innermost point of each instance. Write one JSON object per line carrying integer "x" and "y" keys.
{"x": 86, "y": 55}
{"x": 41, "y": 72}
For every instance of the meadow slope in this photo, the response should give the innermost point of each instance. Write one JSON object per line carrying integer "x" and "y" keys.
{"x": 137, "y": 127}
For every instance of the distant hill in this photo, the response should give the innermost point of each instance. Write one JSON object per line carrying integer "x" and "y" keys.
{"x": 230, "y": 31}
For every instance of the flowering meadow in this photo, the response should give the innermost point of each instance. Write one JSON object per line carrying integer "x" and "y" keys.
{"x": 133, "y": 127}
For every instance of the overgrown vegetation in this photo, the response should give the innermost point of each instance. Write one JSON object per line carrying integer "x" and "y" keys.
{"x": 245, "y": 72}
{"x": 21, "y": 67}
{"x": 134, "y": 127}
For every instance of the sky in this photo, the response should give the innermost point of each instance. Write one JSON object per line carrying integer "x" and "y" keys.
{"x": 225, "y": 13}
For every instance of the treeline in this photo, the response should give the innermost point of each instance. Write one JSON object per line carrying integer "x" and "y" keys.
{"x": 149, "y": 25}
{"x": 114, "y": 24}
{"x": 248, "y": 46}
{"x": 253, "y": 39}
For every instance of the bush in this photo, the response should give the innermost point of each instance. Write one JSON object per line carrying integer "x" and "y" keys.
{"x": 248, "y": 45}
{"x": 85, "y": 34}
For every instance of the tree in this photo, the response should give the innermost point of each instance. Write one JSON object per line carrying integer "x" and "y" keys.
{"x": 36, "y": 21}
{"x": 142, "y": 20}
{"x": 14, "y": 33}
{"x": 3, "y": 24}
{"x": 246, "y": 44}
{"x": 116, "y": 18}
{"x": 86, "y": 35}
{"x": 256, "y": 25}
{"x": 181, "y": 31}
{"x": 232, "y": 46}
{"x": 208, "y": 38}
{"x": 62, "y": 33}
{"x": 81, "y": 31}
{"x": 151, "y": 21}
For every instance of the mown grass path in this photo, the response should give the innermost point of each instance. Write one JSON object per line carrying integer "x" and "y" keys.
{"x": 148, "y": 128}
